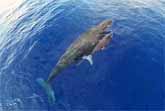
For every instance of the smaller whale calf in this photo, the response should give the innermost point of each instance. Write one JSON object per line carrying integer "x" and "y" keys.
{"x": 103, "y": 43}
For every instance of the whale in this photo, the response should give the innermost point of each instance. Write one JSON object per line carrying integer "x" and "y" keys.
{"x": 83, "y": 48}
{"x": 102, "y": 44}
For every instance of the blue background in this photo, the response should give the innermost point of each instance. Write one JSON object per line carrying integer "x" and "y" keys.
{"x": 129, "y": 74}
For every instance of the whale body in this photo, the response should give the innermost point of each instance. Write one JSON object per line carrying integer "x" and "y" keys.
{"x": 82, "y": 48}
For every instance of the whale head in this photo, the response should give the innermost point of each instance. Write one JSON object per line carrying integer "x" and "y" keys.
{"x": 105, "y": 24}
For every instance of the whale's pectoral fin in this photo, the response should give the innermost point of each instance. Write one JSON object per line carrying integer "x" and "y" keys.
{"x": 89, "y": 59}
{"x": 103, "y": 48}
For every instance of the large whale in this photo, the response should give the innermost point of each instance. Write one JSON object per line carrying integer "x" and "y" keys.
{"x": 95, "y": 39}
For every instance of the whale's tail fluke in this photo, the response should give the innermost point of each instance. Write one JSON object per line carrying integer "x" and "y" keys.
{"x": 48, "y": 90}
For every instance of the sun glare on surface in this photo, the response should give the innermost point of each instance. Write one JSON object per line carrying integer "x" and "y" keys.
{"x": 9, "y": 5}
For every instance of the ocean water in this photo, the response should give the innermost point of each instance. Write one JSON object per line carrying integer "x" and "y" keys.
{"x": 127, "y": 75}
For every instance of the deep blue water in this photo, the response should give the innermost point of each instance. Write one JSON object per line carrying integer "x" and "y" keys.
{"x": 129, "y": 74}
